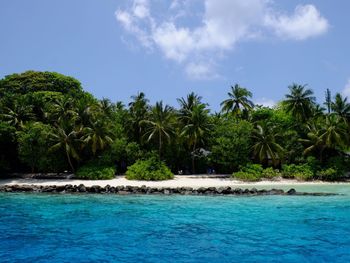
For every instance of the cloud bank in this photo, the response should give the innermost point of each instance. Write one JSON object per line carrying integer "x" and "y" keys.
{"x": 193, "y": 39}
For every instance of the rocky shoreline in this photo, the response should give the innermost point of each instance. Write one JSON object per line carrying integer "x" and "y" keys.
{"x": 125, "y": 190}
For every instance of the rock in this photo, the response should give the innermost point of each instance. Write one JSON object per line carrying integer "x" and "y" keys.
{"x": 82, "y": 188}
{"x": 291, "y": 191}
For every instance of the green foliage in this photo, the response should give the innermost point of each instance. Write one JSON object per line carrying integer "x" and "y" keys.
{"x": 329, "y": 174}
{"x": 95, "y": 171}
{"x": 231, "y": 144}
{"x": 149, "y": 170}
{"x": 246, "y": 176}
{"x": 340, "y": 163}
{"x": 270, "y": 173}
{"x": 8, "y": 152}
{"x": 249, "y": 172}
{"x": 32, "y": 81}
{"x": 33, "y": 144}
{"x": 301, "y": 172}
{"x": 49, "y": 124}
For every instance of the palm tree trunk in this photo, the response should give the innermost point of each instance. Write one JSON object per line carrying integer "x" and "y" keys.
{"x": 70, "y": 162}
{"x": 193, "y": 164}
{"x": 160, "y": 146}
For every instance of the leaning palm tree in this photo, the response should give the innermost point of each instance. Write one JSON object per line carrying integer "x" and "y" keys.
{"x": 341, "y": 107}
{"x": 299, "y": 102}
{"x": 138, "y": 109}
{"x": 265, "y": 146}
{"x": 68, "y": 140}
{"x": 159, "y": 125}
{"x": 238, "y": 101}
{"x": 196, "y": 128}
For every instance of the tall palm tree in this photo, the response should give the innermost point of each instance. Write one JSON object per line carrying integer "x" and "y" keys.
{"x": 299, "y": 102}
{"x": 238, "y": 101}
{"x": 138, "y": 108}
{"x": 160, "y": 124}
{"x": 196, "y": 127}
{"x": 69, "y": 140}
{"x": 265, "y": 146}
{"x": 328, "y": 101}
{"x": 107, "y": 107}
{"x": 341, "y": 107}
{"x": 187, "y": 104}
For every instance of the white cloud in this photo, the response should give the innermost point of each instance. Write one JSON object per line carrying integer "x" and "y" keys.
{"x": 222, "y": 24}
{"x": 304, "y": 23}
{"x": 200, "y": 71}
{"x": 265, "y": 102}
{"x": 346, "y": 90}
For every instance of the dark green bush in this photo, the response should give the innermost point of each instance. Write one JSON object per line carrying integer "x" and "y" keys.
{"x": 340, "y": 164}
{"x": 329, "y": 174}
{"x": 94, "y": 171}
{"x": 149, "y": 170}
{"x": 301, "y": 172}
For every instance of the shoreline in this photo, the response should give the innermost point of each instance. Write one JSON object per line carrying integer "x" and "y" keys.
{"x": 191, "y": 181}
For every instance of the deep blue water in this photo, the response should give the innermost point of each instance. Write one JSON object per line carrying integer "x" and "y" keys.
{"x": 110, "y": 228}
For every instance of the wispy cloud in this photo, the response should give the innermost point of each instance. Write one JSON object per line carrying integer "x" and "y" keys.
{"x": 221, "y": 25}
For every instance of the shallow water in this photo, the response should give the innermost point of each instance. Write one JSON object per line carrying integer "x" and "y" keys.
{"x": 111, "y": 228}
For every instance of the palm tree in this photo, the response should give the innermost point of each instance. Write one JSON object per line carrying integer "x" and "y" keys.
{"x": 160, "y": 124}
{"x": 138, "y": 110}
{"x": 196, "y": 127}
{"x": 68, "y": 140}
{"x": 329, "y": 133}
{"x": 187, "y": 104}
{"x": 107, "y": 107}
{"x": 265, "y": 146}
{"x": 99, "y": 135}
{"x": 64, "y": 110}
{"x": 328, "y": 101}
{"x": 299, "y": 102}
{"x": 341, "y": 107}
{"x": 238, "y": 101}
{"x": 18, "y": 114}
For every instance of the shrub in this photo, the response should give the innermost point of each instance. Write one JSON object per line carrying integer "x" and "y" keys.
{"x": 329, "y": 174}
{"x": 270, "y": 173}
{"x": 246, "y": 176}
{"x": 338, "y": 163}
{"x": 250, "y": 172}
{"x": 149, "y": 170}
{"x": 92, "y": 171}
{"x": 299, "y": 172}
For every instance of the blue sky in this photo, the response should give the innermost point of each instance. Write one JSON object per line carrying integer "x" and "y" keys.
{"x": 170, "y": 48}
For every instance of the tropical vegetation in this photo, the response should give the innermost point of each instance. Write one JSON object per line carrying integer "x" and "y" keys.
{"x": 48, "y": 123}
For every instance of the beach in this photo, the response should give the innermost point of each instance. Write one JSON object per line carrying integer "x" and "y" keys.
{"x": 193, "y": 181}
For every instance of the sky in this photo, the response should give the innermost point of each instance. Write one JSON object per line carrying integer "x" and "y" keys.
{"x": 169, "y": 48}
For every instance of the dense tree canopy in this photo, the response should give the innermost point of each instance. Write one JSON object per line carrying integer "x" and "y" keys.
{"x": 49, "y": 124}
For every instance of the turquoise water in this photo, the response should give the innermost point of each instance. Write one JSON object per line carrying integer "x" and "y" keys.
{"x": 110, "y": 228}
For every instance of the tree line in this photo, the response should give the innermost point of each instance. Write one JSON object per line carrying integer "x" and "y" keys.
{"x": 48, "y": 123}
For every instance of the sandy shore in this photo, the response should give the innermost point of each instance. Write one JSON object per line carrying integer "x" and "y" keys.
{"x": 179, "y": 181}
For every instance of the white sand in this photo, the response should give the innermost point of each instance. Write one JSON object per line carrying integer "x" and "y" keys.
{"x": 179, "y": 181}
